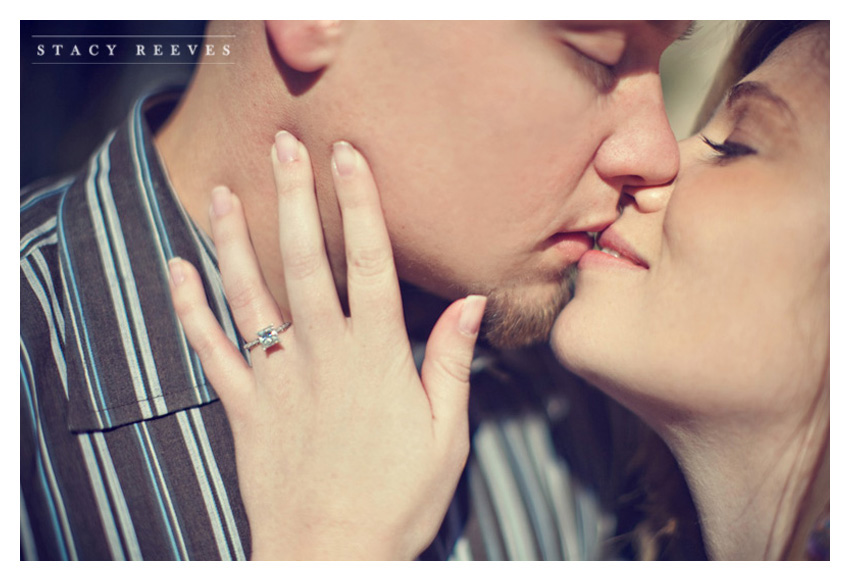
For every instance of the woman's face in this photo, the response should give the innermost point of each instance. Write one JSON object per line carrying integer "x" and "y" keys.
{"x": 719, "y": 302}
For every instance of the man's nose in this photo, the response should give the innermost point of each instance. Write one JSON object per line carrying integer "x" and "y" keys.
{"x": 641, "y": 149}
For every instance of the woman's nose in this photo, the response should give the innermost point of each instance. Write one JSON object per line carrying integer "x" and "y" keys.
{"x": 648, "y": 199}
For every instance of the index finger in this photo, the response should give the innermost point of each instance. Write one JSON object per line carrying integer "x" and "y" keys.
{"x": 373, "y": 290}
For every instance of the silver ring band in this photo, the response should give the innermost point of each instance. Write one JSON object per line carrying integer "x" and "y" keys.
{"x": 267, "y": 337}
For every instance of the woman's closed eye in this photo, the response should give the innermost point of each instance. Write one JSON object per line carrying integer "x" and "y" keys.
{"x": 728, "y": 150}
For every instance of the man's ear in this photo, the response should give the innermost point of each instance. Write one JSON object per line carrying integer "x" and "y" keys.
{"x": 305, "y": 45}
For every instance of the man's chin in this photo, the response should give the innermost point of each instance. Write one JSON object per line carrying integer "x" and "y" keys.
{"x": 515, "y": 320}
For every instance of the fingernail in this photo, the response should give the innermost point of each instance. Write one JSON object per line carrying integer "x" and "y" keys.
{"x": 344, "y": 158}
{"x": 221, "y": 202}
{"x": 471, "y": 313}
{"x": 175, "y": 270}
{"x": 286, "y": 146}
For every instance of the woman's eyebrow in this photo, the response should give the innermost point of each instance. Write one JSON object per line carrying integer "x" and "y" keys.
{"x": 761, "y": 92}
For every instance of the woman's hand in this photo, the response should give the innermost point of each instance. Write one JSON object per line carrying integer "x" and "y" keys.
{"x": 342, "y": 450}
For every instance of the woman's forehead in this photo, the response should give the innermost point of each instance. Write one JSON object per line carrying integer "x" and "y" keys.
{"x": 798, "y": 71}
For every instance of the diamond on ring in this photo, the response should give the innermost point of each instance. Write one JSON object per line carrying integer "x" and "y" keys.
{"x": 268, "y": 337}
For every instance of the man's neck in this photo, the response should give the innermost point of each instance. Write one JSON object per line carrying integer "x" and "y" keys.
{"x": 209, "y": 142}
{"x": 214, "y": 139}
{"x": 421, "y": 310}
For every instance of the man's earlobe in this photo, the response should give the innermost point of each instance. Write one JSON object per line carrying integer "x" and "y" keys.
{"x": 305, "y": 45}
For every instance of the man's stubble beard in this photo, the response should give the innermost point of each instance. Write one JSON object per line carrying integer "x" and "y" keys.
{"x": 512, "y": 321}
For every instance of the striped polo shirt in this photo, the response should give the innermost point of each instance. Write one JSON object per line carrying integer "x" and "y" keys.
{"x": 126, "y": 452}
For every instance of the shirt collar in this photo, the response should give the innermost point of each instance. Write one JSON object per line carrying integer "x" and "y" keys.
{"x": 119, "y": 224}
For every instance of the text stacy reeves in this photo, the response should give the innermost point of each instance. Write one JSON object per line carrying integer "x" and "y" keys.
{"x": 65, "y": 51}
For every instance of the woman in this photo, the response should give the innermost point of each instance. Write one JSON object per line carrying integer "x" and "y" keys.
{"x": 714, "y": 305}
{"x": 705, "y": 311}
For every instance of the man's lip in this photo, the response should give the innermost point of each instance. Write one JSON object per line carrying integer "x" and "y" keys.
{"x": 613, "y": 241}
{"x": 572, "y": 244}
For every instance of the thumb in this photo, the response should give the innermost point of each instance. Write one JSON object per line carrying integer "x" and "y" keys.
{"x": 448, "y": 356}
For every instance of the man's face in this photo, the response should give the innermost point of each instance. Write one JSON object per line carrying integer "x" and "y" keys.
{"x": 496, "y": 147}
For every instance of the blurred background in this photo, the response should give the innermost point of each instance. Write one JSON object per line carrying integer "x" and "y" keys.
{"x": 70, "y": 102}
{"x": 687, "y": 70}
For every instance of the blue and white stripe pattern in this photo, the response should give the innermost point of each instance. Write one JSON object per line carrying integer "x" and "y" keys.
{"x": 126, "y": 452}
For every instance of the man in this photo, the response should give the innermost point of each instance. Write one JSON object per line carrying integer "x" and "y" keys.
{"x": 497, "y": 146}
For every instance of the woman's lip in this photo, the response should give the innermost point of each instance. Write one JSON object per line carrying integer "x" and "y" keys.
{"x": 613, "y": 241}
{"x": 598, "y": 258}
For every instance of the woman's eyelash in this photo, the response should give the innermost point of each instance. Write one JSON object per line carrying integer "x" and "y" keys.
{"x": 728, "y": 149}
